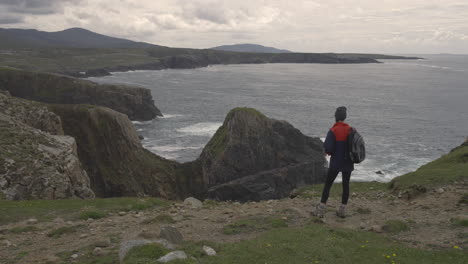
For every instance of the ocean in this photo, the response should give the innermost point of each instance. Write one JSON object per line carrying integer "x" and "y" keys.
{"x": 409, "y": 112}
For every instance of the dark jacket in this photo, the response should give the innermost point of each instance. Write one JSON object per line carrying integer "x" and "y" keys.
{"x": 335, "y": 145}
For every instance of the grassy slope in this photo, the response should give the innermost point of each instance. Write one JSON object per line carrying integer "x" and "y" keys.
{"x": 44, "y": 210}
{"x": 445, "y": 170}
{"x": 313, "y": 243}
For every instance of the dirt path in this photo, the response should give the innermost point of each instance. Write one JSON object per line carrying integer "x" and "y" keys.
{"x": 428, "y": 218}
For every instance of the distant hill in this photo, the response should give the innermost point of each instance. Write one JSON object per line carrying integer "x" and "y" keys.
{"x": 250, "y": 48}
{"x": 69, "y": 38}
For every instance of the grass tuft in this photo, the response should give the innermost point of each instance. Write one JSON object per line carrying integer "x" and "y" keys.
{"x": 148, "y": 253}
{"x": 395, "y": 226}
{"x": 364, "y": 210}
{"x": 23, "y": 229}
{"x": 160, "y": 219}
{"x": 249, "y": 225}
{"x": 464, "y": 199}
{"x": 92, "y": 214}
{"x": 459, "y": 222}
{"x": 58, "y": 232}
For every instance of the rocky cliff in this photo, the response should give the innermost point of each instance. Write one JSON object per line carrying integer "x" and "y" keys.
{"x": 136, "y": 102}
{"x": 36, "y": 160}
{"x": 252, "y": 157}
{"x": 111, "y": 153}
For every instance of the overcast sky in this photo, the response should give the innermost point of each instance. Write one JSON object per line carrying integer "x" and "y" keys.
{"x": 385, "y": 26}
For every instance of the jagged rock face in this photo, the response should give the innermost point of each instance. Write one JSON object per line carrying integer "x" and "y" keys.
{"x": 35, "y": 164}
{"x": 30, "y": 113}
{"x": 111, "y": 153}
{"x": 253, "y": 157}
{"x": 136, "y": 102}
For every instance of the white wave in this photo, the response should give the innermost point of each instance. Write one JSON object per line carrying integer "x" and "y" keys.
{"x": 171, "y": 148}
{"x": 166, "y": 116}
{"x": 142, "y": 122}
{"x": 201, "y": 129}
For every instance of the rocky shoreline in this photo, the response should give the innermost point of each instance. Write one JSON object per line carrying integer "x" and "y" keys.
{"x": 108, "y": 160}
{"x": 205, "y": 58}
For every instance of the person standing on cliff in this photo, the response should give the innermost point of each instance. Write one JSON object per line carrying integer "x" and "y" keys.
{"x": 335, "y": 145}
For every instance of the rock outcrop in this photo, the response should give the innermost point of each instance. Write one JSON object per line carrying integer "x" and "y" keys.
{"x": 34, "y": 163}
{"x": 136, "y": 102}
{"x": 252, "y": 157}
{"x": 111, "y": 153}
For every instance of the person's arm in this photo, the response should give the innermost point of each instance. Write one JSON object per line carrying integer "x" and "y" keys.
{"x": 329, "y": 144}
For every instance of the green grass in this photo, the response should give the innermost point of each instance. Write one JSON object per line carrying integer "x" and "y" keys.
{"x": 145, "y": 254}
{"x": 363, "y": 210}
{"x": 209, "y": 204}
{"x": 160, "y": 219}
{"x": 464, "y": 199}
{"x": 45, "y": 210}
{"x": 315, "y": 190}
{"x": 459, "y": 222}
{"x": 86, "y": 256}
{"x": 445, "y": 170}
{"x": 58, "y": 232}
{"x": 23, "y": 229}
{"x": 249, "y": 225}
{"x": 322, "y": 245}
{"x": 92, "y": 214}
{"x": 395, "y": 226}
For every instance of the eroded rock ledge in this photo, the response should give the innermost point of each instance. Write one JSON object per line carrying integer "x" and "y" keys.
{"x": 36, "y": 160}
{"x": 136, "y": 102}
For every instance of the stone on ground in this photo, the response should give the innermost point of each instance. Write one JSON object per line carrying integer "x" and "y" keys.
{"x": 209, "y": 251}
{"x": 174, "y": 255}
{"x": 193, "y": 202}
{"x": 171, "y": 234}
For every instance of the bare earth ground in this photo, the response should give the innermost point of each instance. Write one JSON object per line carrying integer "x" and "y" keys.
{"x": 428, "y": 216}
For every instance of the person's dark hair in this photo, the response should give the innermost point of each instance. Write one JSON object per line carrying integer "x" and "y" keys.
{"x": 340, "y": 113}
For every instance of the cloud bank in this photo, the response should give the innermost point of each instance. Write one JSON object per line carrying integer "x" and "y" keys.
{"x": 397, "y": 26}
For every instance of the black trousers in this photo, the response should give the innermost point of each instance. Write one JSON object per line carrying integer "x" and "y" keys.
{"x": 346, "y": 175}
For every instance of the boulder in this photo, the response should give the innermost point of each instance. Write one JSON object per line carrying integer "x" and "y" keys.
{"x": 253, "y": 157}
{"x": 171, "y": 234}
{"x": 209, "y": 251}
{"x": 193, "y": 202}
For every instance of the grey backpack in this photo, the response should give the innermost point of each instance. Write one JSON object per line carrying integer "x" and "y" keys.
{"x": 356, "y": 146}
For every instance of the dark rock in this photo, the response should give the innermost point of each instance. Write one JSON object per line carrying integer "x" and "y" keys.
{"x": 97, "y": 72}
{"x": 252, "y": 157}
{"x": 379, "y": 172}
{"x": 136, "y": 102}
{"x": 112, "y": 154}
{"x": 141, "y": 137}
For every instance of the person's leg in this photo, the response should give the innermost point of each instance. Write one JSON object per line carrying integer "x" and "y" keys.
{"x": 346, "y": 177}
{"x": 328, "y": 183}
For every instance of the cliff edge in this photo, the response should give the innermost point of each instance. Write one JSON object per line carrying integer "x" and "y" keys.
{"x": 136, "y": 102}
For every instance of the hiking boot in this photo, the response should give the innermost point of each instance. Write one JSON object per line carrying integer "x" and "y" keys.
{"x": 320, "y": 210}
{"x": 341, "y": 211}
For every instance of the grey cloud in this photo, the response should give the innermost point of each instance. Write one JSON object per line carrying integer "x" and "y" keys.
{"x": 217, "y": 16}
{"x": 10, "y": 20}
{"x": 35, "y": 7}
